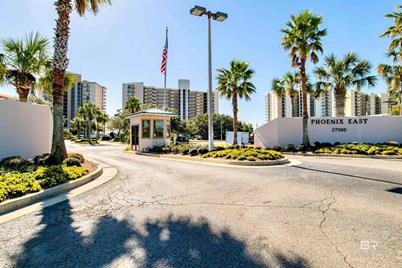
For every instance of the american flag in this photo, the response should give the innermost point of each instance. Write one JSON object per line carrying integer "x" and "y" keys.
{"x": 164, "y": 55}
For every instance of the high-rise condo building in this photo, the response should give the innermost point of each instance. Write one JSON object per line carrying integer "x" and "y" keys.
{"x": 186, "y": 102}
{"x": 281, "y": 106}
{"x": 357, "y": 104}
{"x": 78, "y": 94}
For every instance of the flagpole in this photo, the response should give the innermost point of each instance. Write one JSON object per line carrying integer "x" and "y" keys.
{"x": 164, "y": 98}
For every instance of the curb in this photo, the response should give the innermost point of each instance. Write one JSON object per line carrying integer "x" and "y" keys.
{"x": 22, "y": 202}
{"x": 218, "y": 161}
{"x": 384, "y": 157}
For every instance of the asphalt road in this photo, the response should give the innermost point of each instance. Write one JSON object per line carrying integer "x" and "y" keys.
{"x": 320, "y": 212}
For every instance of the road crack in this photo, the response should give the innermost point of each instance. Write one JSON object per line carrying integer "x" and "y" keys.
{"x": 324, "y": 212}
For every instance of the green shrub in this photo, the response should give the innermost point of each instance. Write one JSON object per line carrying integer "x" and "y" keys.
{"x": 78, "y": 156}
{"x": 389, "y": 152}
{"x": 16, "y": 164}
{"x": 45, "y": 160}
{"x": 251, "y": 158}
{"x": 290, "y": 148}
{"x": 72, "y": 161}
{"x": 202, "y": 150}
{"x": 277, "y": 148}
{"x": 55, "y": 175}
{"x": 241, "y": 157}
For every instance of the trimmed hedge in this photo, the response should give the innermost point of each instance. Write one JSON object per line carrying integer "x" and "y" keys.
{"x": 234, "y": 152}
{"x": 18, "y": 184}
{"x": 20, "y": 176}
{"x": 363, "y": 149}
{"x": 249, "y": 153}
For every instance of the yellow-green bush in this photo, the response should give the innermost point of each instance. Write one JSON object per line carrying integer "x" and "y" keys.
{"x": 365, "y": 149}
{"x": 248, "y": 153}
{"x": 18, "y": 184}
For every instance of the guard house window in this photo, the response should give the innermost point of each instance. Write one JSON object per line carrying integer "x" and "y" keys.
{"x": 158, "y": 128}
{"x": 146, "y": 128}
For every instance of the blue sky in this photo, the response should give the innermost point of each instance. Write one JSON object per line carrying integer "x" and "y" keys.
{"x": 124, "y": 42}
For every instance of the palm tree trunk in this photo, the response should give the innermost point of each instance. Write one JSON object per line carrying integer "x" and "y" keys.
{"x": 340, "y": 99}
{"x": 79, "y": 132}
{"x": 306, "y": 139}
{"x": 97, "y": 132}
{"x": 89, "y": 133}
{"x": 235, "y": 110}
{"x": 292, "y": 102}
{"x": 23, "y": 92}
{"x": 400, "y": 96}
{"x": 60, "y": 64}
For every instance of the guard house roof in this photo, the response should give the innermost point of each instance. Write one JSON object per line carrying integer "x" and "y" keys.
{"x": 152, "y": 112}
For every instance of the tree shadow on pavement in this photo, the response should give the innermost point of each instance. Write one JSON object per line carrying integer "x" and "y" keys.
{"x": 170, "y": 242}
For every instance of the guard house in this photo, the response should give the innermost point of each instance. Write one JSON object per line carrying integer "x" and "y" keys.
{"x": 147, "y": 129}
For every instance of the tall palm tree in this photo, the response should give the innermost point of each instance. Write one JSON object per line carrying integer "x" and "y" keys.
{"x": 60, "y": 64}
{"x": 77, "y": 123}
{"x": 338, "y": 75}
{"x": 45, "y": 81}
{"x": 22, "y": 60}
{"x": 278, "y": 87}
{"x": 302, "y": 39}
{"x": 292, "y": 86}
{"x": 101, "y": 119}
{"x": 234, "y": 83}
{"x": 392, "y": 74}
{"x": 133, "y": 104}
{"x": 88, "y": 113}
{"x": 395, "y": 31}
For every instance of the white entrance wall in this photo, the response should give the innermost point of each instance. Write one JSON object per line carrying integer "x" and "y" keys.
{"x": 25, "y": 129}
{"x": 364, "y": 129}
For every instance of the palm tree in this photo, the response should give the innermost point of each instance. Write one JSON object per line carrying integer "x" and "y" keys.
{"x": 302, "y": 38}
{"x": 45, "y": 81}
{"x": 392, "y": 74}
{"x": 338, "y": 75}
{"x": 235, "y": 83}
{"x": 101, "y": 119}
{"x": 395, "y": 31}
{"x": 88, "y": 112}
{"x": 22, "y": 60}
{"x": 291, "y": 82}
{"x": 60, "y": 64}
{"x": 133, "y": 104}
{"x": 77, "y": 123}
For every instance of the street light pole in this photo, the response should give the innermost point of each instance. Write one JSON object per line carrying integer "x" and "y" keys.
{"x": 209, "y": 106}
{"x": 218, "y": 16}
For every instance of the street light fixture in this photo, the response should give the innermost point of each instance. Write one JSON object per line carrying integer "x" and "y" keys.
{"x": 218, "y": 16}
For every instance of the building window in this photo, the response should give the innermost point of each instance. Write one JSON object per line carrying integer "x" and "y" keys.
{"x": 146, "y": 128}
{"x": 158, "y": 128}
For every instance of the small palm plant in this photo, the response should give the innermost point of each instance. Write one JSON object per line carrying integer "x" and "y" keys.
{"x": 234, "y": 83}
{"x": 302, "y": 39}
{"x": 338, "y": 75}
{"x": 88, "y": 113}
{"x": 23, "y": 59}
